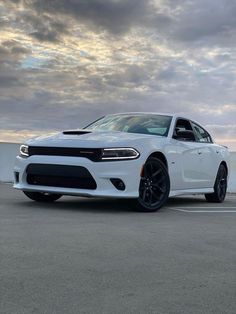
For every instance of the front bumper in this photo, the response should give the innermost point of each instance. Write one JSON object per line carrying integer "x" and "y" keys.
{"x": 128, "y": 171}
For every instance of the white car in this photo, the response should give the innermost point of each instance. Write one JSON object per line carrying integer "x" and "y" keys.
{"x": 144, "y": 156}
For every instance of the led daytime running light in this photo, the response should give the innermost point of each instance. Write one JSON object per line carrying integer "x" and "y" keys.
{"x": 24, "y": 150}
{"x": 119, "y": 153}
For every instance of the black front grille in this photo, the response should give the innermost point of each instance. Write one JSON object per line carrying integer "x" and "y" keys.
{"x": 93, "y": 154}
{"x": 60, "y": 176}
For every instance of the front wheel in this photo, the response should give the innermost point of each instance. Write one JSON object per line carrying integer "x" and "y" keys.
{"x": 220, "y": 187}
{"x": 42, "y": 196}
{"x": 154, "y": 186}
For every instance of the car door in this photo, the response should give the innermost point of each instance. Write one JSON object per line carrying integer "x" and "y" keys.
{"x": 190, "y": 160}
{"x": 208, "y": 155}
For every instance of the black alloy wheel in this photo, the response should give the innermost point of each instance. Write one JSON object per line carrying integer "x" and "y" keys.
{"x": 154, "y": 186}
{"x": 42, "y": 196}
{"x": 220, "y": 187}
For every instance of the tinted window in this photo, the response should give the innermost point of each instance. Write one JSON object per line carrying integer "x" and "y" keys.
{"x": 181, "y": 126}
{"x": 201, "y": 134}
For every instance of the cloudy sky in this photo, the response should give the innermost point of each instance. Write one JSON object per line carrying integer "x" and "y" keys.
{"x": 64, "y": 63}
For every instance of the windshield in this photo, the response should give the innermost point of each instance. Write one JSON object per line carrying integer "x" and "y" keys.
{"x": 145, "y": 124}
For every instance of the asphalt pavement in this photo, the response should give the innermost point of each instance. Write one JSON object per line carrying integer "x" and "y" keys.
{"x": 99, "y": 256}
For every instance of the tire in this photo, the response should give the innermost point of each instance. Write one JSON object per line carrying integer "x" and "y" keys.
{"x": 42, "y": 197}
{"x": 154, "y": 186}
{"x": 220, "y": 187}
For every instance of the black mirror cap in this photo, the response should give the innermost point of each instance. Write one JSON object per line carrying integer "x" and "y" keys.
{"x": 185, "y": 135}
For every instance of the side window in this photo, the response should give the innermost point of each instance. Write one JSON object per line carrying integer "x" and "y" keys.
{"x": 201, "y": 134}
{"x": 183, "y": 125}
{"x": 183, "y": 131}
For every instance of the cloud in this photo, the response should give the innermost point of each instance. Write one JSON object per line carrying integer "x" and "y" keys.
{"x": 206, "y": 22}
{"x": 115, "y": 17}
{"x": 111, "y": 15}
{"x": 14, "y": 48}
{"x": 223, "y": 131}
{"x": 66, "y": 62}
{"x": 8, "y": 81}
{"x": 44, "y": 27}
{"x": 11, "y": 53}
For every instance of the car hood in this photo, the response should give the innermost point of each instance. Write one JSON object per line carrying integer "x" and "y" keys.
{"x": 91, "y": 139}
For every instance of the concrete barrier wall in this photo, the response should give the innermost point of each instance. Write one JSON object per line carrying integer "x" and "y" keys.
{"x": 232, "y": 179}
{"x": 8, "y": 152}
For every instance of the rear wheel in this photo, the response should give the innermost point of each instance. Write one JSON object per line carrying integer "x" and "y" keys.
{"x": 42, "y": 196}
{"x": 220, "y": 187}
{"x": 154, "y": 186}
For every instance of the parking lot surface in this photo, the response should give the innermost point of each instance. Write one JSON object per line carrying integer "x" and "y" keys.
{"x": 93, "y": 256}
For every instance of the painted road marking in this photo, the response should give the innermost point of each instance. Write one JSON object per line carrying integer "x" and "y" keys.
{"x": 199, "y": 210}
{"x": 215, "y": 207}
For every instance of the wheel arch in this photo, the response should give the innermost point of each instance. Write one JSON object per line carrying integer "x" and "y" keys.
{"x": 225, "y": 165}
{"x": 160, "y": 156}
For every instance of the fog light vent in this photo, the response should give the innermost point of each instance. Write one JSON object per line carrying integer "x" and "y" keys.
{"x": 118, "y": 184}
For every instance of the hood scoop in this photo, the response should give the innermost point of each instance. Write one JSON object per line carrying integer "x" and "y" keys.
{"x": 76, "y": 132}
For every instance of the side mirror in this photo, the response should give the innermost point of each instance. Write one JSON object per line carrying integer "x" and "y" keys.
{"x": 184, "y": 135}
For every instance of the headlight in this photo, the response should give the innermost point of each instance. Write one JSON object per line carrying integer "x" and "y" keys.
{"x": 24, "y": 150}
{"x": 119, "y": 153}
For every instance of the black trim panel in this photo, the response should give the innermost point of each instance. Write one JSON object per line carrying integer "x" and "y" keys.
{"x": 60, "y": 176}
{"x": 93, "y": 154}
{"x": 76, "y": 132}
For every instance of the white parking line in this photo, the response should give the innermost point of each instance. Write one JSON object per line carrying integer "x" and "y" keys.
{"x": 215, "y": 207}
{"x": 200, "y": 210}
